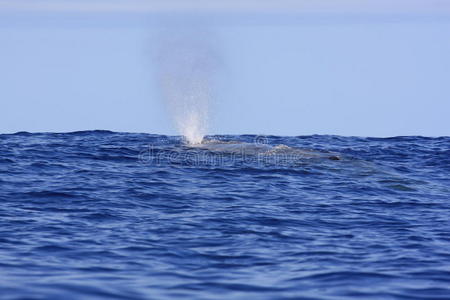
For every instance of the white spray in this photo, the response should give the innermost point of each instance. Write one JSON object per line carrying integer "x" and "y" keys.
{"x": 186, "y": 70}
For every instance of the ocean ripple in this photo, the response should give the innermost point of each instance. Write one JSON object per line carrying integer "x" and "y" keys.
{"x": 106, "y": 215}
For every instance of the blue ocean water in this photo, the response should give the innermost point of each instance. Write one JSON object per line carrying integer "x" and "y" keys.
{"x": 105, "y": 215}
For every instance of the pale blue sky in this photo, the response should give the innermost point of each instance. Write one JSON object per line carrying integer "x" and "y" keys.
{"x": 350, "y": 70}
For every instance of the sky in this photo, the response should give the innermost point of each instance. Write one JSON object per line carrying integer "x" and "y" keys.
{"x": 345, "y": 67}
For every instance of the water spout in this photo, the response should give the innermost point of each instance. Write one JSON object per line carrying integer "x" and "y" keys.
{"x": 186, "y": 71}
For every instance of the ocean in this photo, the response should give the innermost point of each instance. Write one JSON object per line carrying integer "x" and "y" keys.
{"x": 106, "y": 215}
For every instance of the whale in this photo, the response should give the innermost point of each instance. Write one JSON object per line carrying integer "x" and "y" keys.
{"x": 243, "y": 148}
